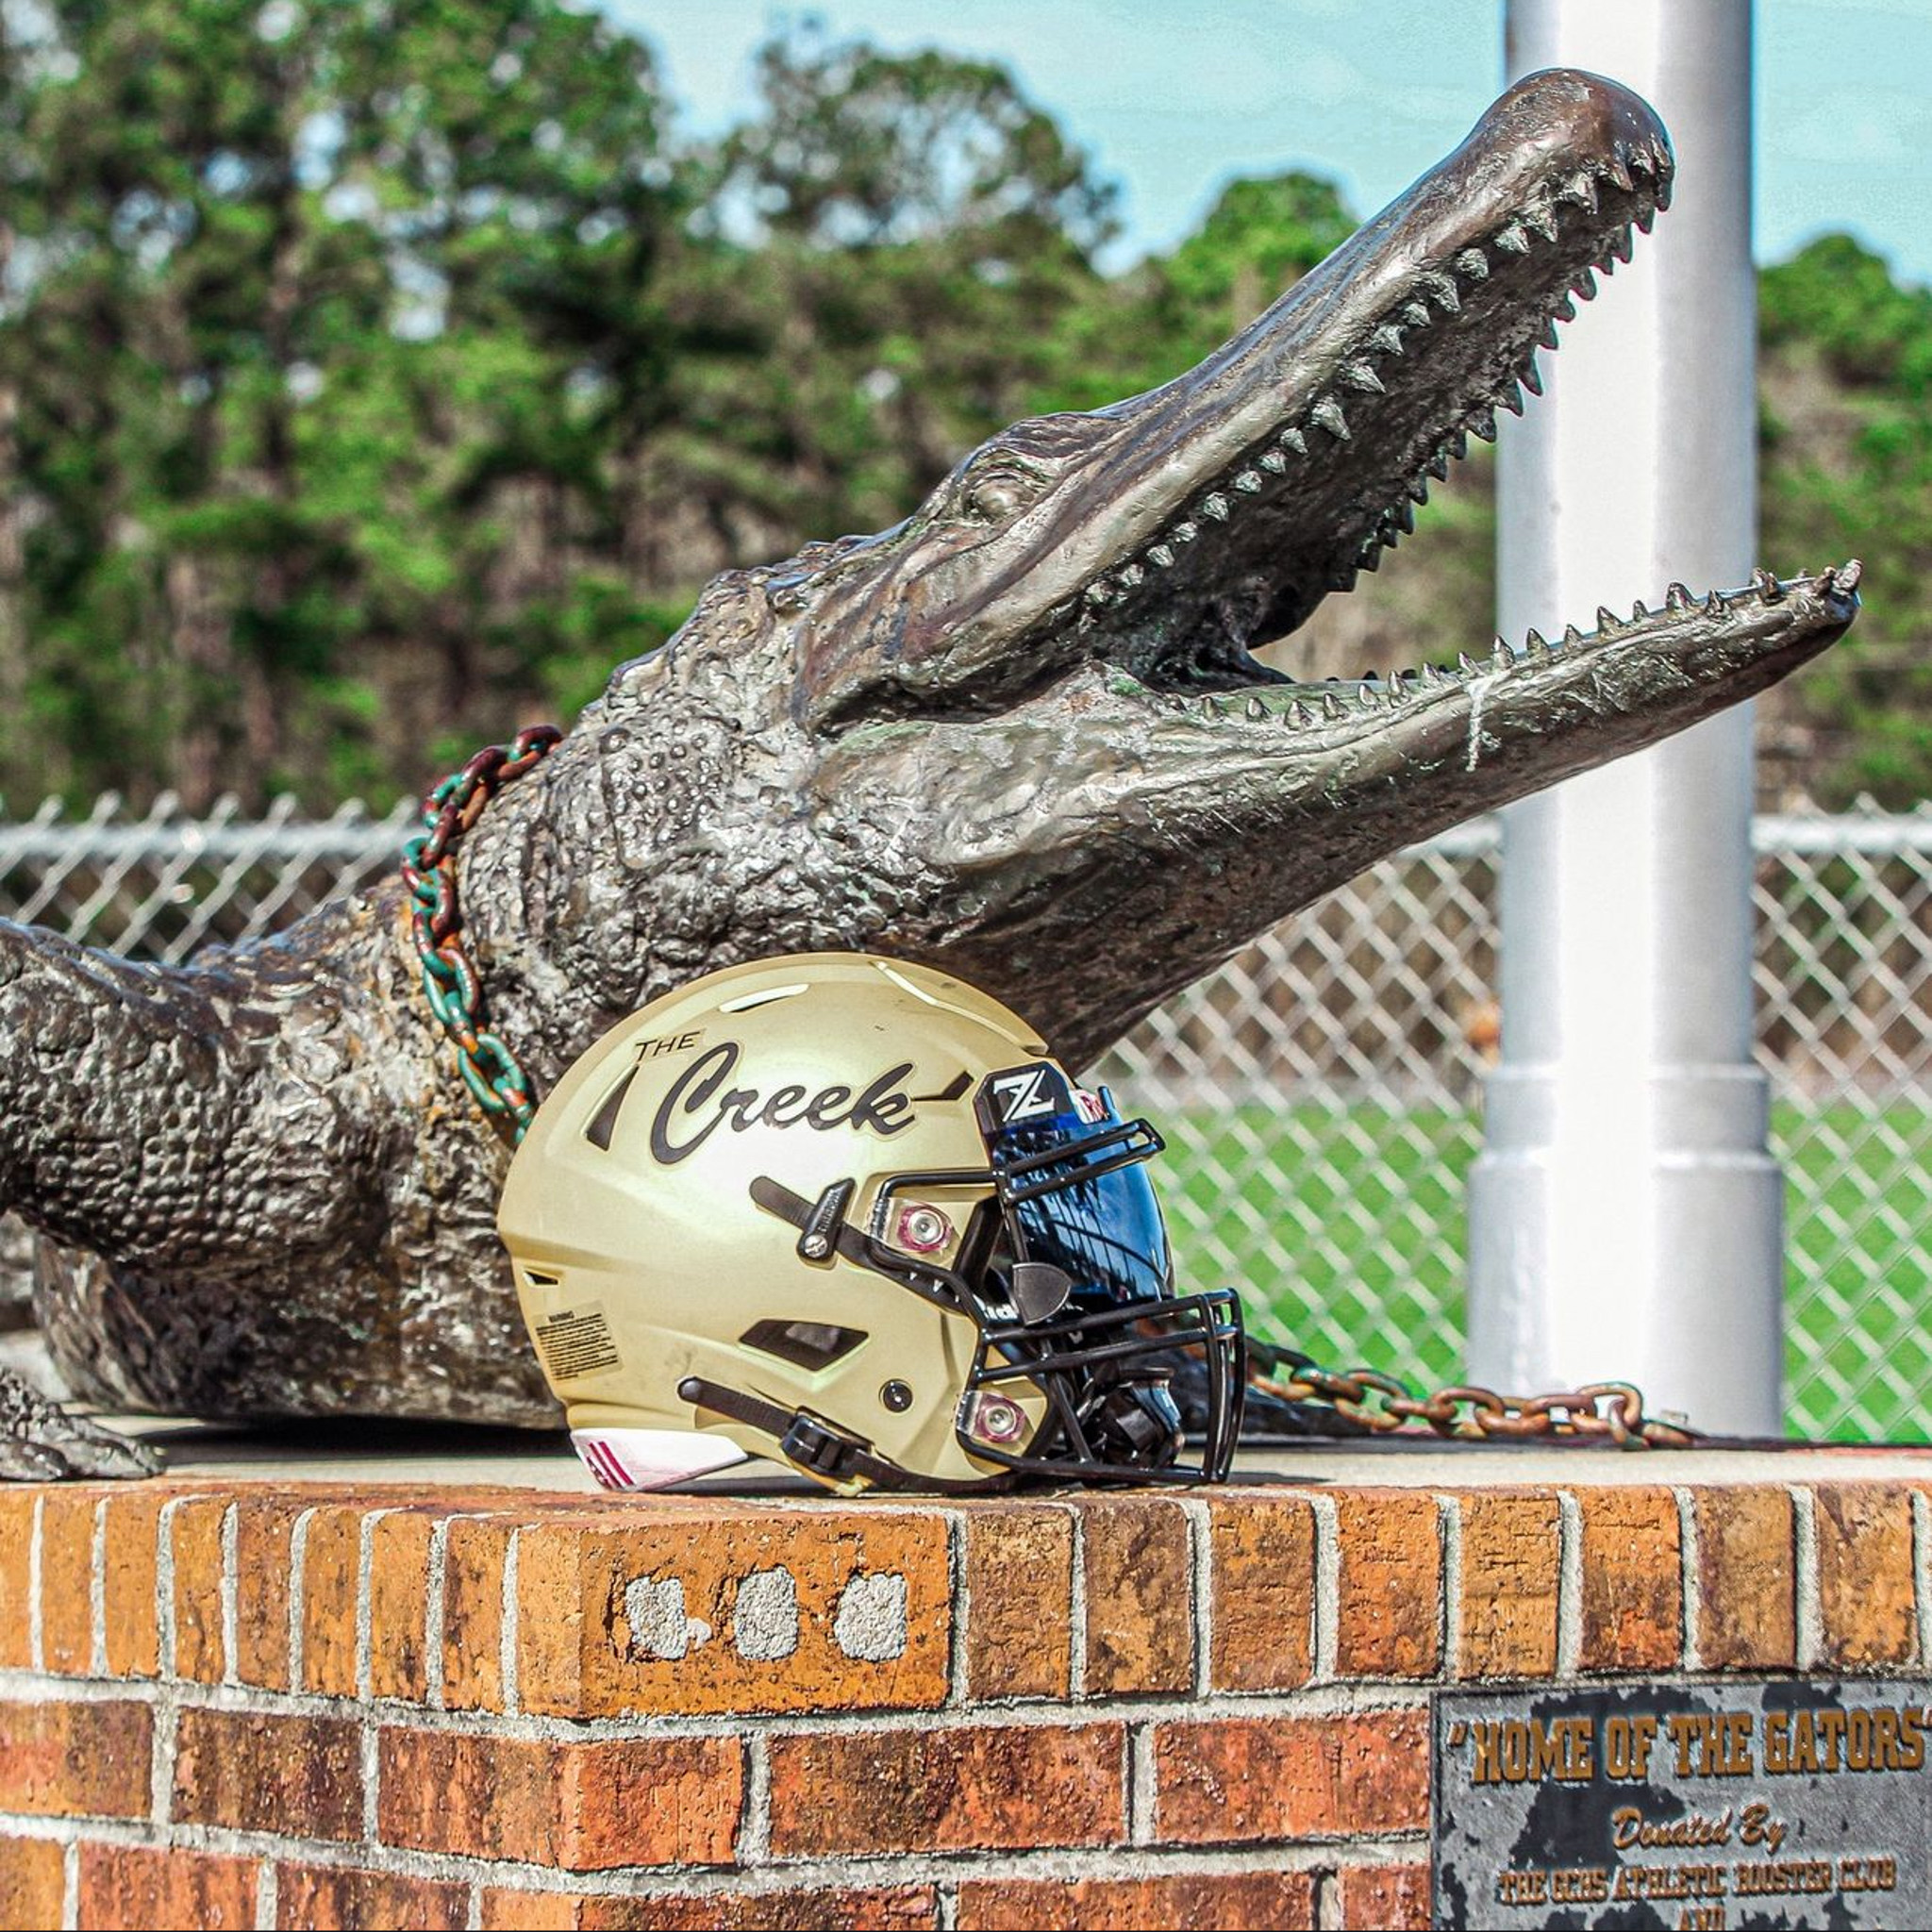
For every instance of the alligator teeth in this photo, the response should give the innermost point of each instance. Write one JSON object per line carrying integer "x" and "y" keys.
{"x": 1484, "y": 424}
{"x": 1465, "y": 664}
{"x": 1513, "y": 239}
{"x": 1458, "y": 443}
{"x": 1444, "y": 289}
{"x": 1331, "y": 705}
{"x": 1503, "y": 658}
{"x": 1388, "y": 339}
{"x": 1358, "y": 376}
{"x": 1548, "y": 339}
{"x": 1565, "y": 311}
{"x": 1160, "y": 556}
{"x": 1434, "y": 673}
{"x": 1419, "y": 490}
{"x": 1326, "y": 414}
{"x": 1608, "y": 622}
{"x": 1537, "y": 646}
{"x": 1473, "y": 264}
{"x": 1585, "y": 285}
{"x": 1272, "y": 461}
{"x": 1640, "y": 612}
{"x": 1292, "y": 439}
{"x": 1676, "y": 597}
{"x": 1100, "y": 591}
{"x": 1215, "y": 505}
{"x": 1438, "y": 465}
{"x": 1185, "y": 532}
{"x": 1370, "y": 557}
{"x": 1618, "y": 170}
{"x": 1365, "y": 699}
{"x": 1511, "y": 399}
{"x": 1849, "y": 574}
{"x": 1620, "y": 244}
{"x": 1766, "y": 586}
{"x": 1542, "y": 219}
{"x": 1580, "y": 188}
{"x": 1248, "y": 482}
{"x": 1533, "y": 377}
{"x": 1416, "y": 314}
{"x": 1571, "y": 636}
{"x": 1716, "y": 603}
{"x": 1131, "y": 574}
{"x": 1646, "y": 216}
{"x": 1402, "y": 516}
{"x": 1257, "y": 710}
{"x": 1300, "y": 713}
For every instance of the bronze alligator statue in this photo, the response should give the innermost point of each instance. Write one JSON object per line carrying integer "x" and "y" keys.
{"x": 1020, "y": 735}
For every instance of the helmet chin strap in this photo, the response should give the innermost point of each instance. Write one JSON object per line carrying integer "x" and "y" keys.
{"x": 815, "y": 1445}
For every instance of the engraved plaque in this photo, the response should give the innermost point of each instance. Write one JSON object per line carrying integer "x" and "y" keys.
{"x": 1755, "y": 1802}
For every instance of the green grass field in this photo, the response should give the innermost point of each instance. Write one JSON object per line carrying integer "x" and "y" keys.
{"x": 1367, "y": 1205}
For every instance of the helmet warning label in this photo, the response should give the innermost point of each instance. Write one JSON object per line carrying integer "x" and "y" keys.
{"x": 576, "y": 1341}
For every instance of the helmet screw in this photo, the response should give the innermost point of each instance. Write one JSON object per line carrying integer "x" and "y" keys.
{"x": 896, "y": 1396}
{"x": 923, "y": 1228}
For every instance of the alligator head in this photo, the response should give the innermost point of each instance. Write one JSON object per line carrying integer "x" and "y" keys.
{"x": 1047, "y": 669}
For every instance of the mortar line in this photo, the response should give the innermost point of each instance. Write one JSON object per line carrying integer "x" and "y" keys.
{"x": 507, "y": 1639}
{"x": 267, "y": 1895}
{"x": 1142, "y": 1787}
{"x": 435, "y": 1611}
{"x": 35, "y": 1633}
{"x": 1810, "y": 1631}
{"x": 370, "y": 1745}
{"x": 839, "y": 1870}
{"x": 1312, "y": 1700}
{"x": 754, "y": 1846}
{"x": 231, "y": 1592}
{"x": 365, "y": 1604}
{"x": 472, "y": 1916}
{"x": 1325, "y": 1609}
{"x": 97, "y": 1593}
{"x": 298, "y": 1585}
{"x": 946, "y": 1897}
{"x": 1449, "y": 1528}
{"x": 1922, "y": 1572}
{"x": 164, "y": 1586}
{"x": 1201, "y": 1582}
{"x": 961, "y": 1591}
{"x": 1689, "y": 1557}
{"x": 1076, "y": 1610}
{"x": 70, "y": 1885}
{"x": 1568, "y": 1582}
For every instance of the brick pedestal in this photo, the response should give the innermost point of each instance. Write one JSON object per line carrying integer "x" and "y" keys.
{"x": 244, "y": 1704}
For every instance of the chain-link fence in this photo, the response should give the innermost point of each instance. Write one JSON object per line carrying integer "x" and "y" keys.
{"x": 1321, "y": 1093}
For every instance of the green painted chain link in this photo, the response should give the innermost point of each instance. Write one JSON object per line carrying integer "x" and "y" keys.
{"x": 449, "y": 979}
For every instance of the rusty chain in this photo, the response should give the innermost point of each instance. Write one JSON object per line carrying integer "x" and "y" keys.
{"x": 450, "y": 984}
{"x": 1464, "y": 1412}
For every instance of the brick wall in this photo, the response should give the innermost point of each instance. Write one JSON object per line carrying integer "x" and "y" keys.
{"x": 268, "y": 1706}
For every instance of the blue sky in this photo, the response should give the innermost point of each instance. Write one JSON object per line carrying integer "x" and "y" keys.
{"x": 1173, "y": 97}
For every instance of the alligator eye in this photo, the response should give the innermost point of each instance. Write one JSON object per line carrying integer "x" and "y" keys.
{"x": 997, "y": 494}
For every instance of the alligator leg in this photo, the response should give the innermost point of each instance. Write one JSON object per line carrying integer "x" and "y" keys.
{"x": 41, "y": 1441}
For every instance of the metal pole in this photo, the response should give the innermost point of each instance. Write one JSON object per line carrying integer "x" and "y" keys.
{"x": 1626, "y": 1218}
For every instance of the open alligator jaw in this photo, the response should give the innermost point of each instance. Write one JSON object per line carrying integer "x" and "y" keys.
{"x": 1168, "y": 533}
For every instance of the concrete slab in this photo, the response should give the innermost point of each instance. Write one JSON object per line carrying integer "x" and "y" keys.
{"x": 382, "y": 1451}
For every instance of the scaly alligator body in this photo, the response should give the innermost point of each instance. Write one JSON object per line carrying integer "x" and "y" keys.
{"x": 1020, "y": 736}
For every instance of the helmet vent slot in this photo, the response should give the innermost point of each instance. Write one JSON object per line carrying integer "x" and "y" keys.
{"x": 803, "y": 1344}
{"x": 604, "y": 1123}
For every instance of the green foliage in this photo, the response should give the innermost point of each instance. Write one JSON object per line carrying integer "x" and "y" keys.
{"x": 1847, "y": 471}
{"x": 373, "y": 378}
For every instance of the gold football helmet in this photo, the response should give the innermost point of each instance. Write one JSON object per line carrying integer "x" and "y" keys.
{"x": 850, "y": 1212}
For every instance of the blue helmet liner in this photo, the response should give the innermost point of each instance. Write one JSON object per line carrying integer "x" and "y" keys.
{"x": 1065, "y": 1274}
